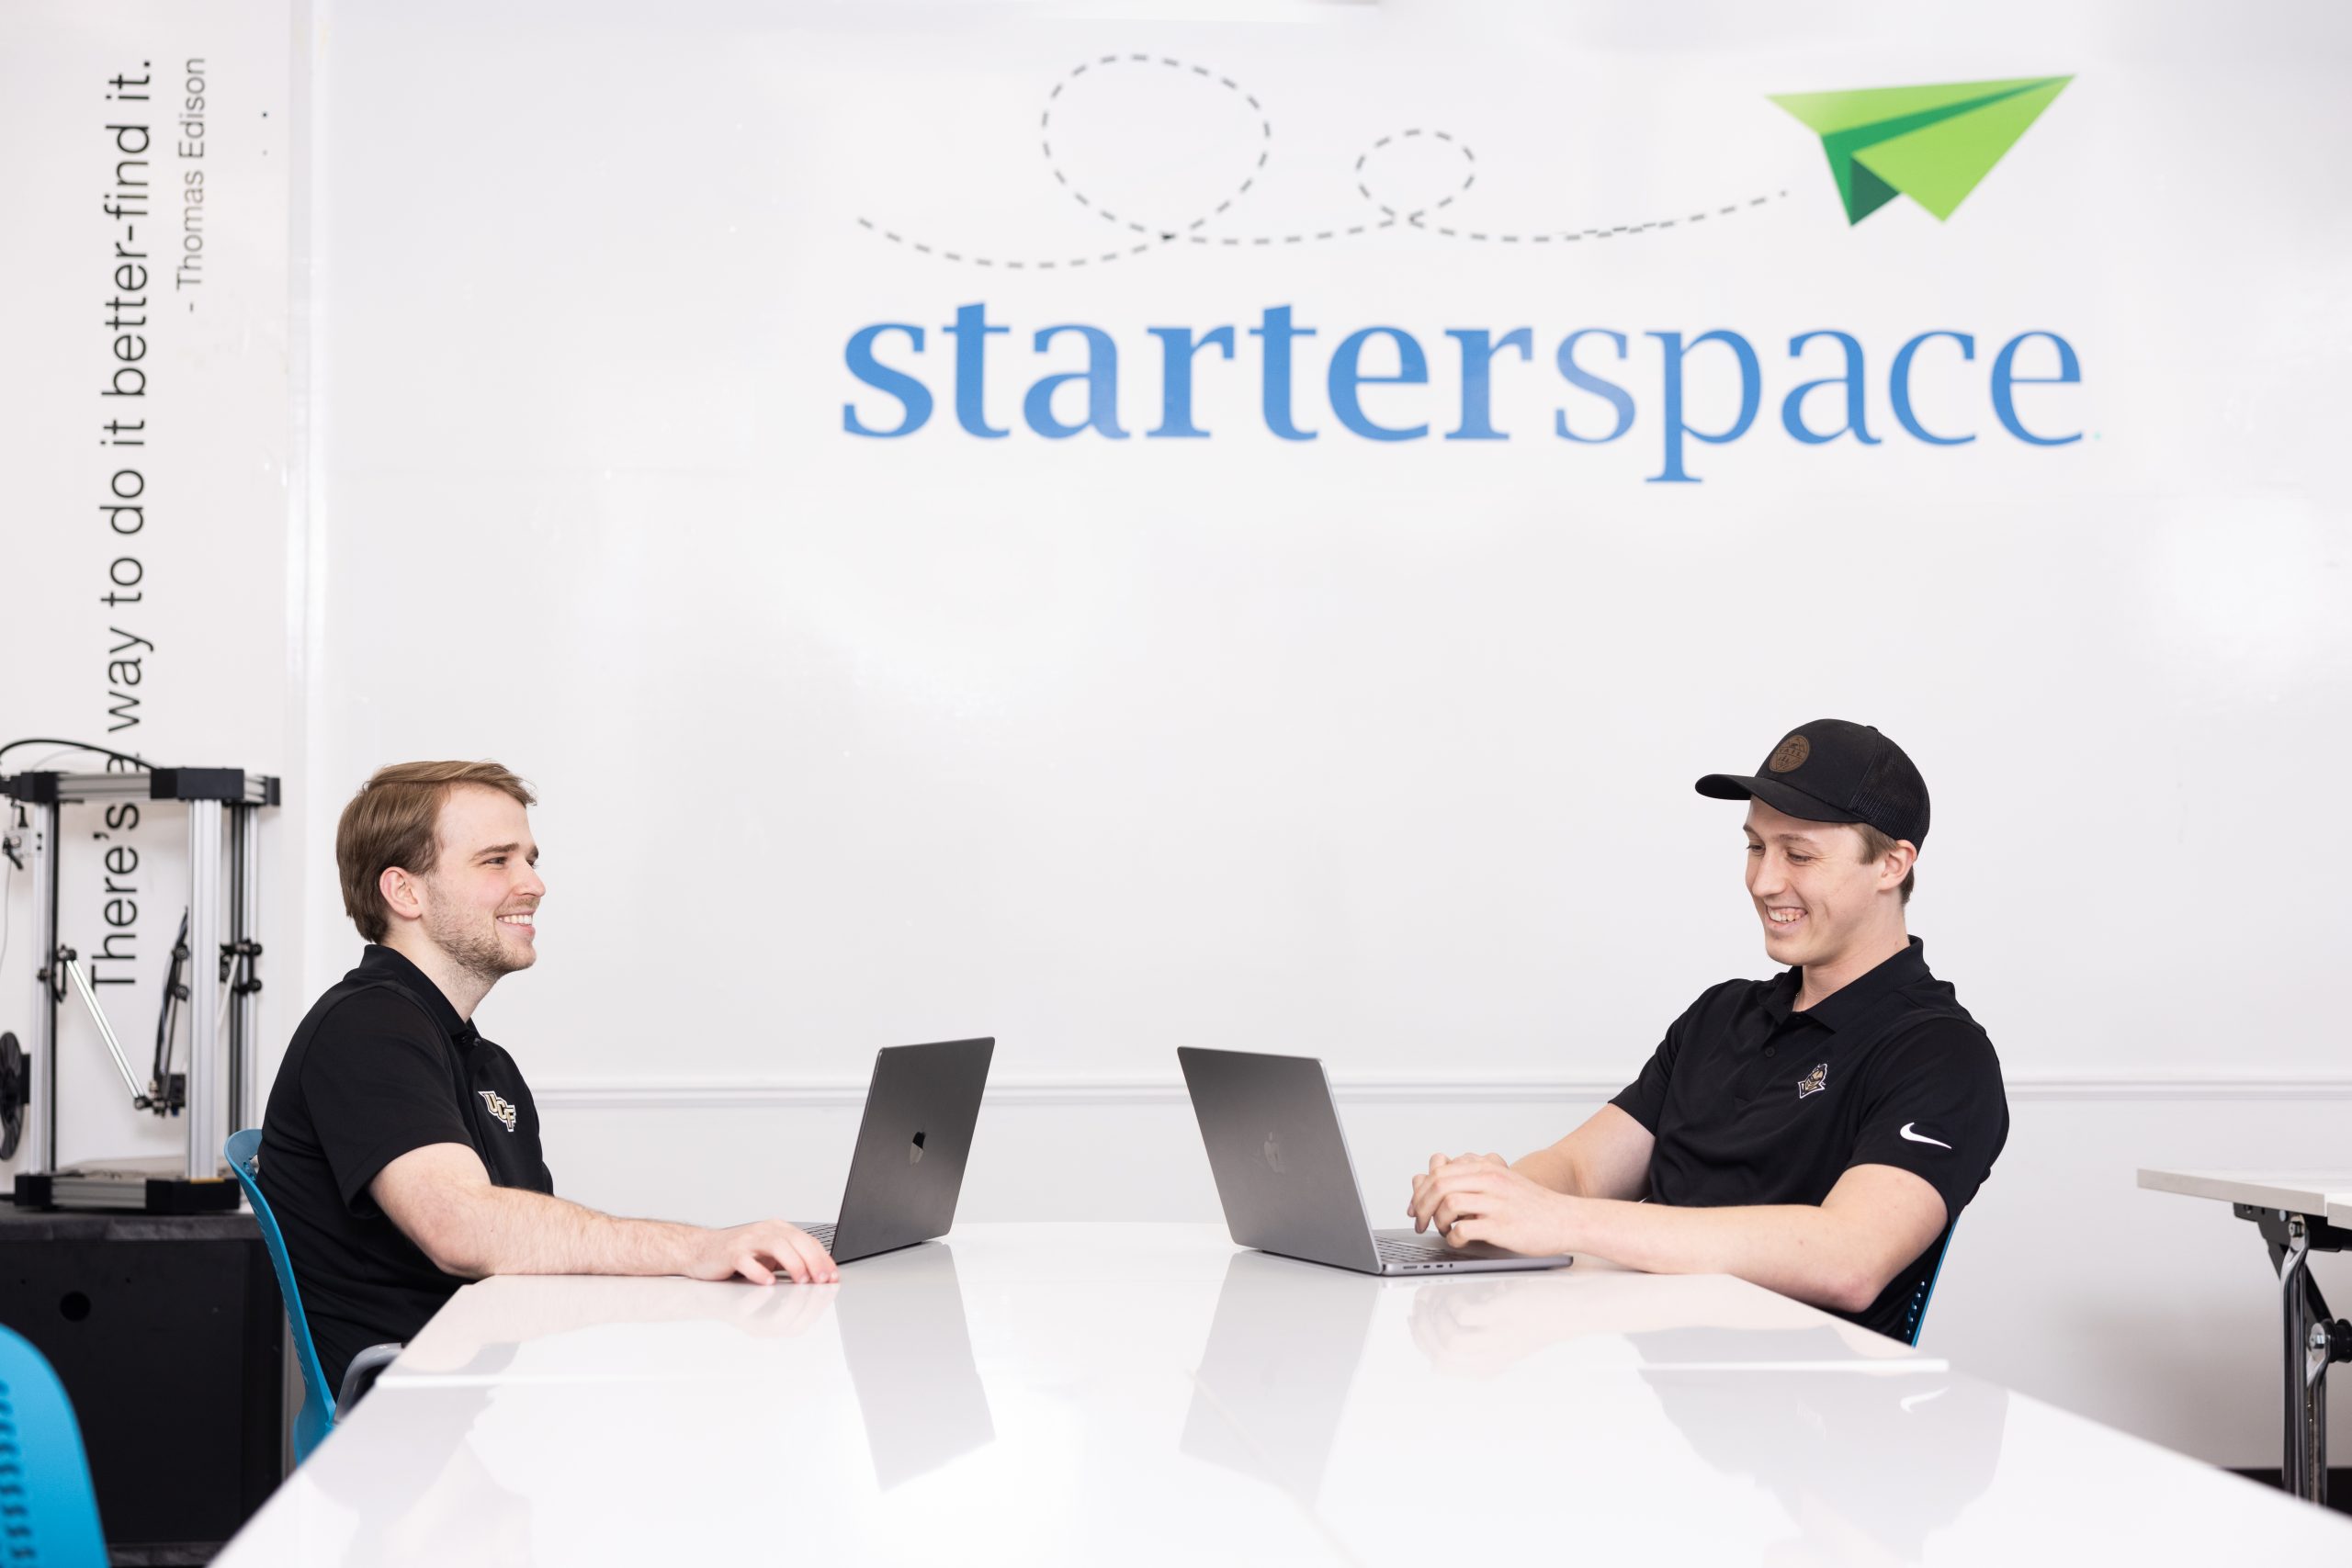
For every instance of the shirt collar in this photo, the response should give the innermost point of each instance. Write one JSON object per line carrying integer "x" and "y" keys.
{"x": 1855, "y": 998}
{"x": 1780, "y": 995}
{"x": 382, "y": 962}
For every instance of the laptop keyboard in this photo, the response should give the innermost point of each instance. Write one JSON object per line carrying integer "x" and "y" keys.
{"x": 1399, "y": 1249}
{"x": 823, "y": 1234}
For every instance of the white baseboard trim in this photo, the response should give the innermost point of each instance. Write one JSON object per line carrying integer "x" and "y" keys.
{"x": 755, "y": 1093}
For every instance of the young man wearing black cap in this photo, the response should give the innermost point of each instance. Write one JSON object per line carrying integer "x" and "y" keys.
{"x": 1818, "y": 1132}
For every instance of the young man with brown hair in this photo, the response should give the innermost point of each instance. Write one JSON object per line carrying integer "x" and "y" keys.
{"x": 400, "y": 1150}
{"x": 1817, "y": 1134}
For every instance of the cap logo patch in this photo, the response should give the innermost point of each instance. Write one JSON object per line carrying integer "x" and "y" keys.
{"x": 1790, "y": 754}
{"x": 1815, "y": 1081}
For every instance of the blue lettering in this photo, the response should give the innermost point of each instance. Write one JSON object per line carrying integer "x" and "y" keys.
{"x": 1749, "y": 391}
{"x": 1177, "y": 348}
{"x": 2004, "y": 378}
{"x": 971, "y": 333}
{"x": 914, "y": 397}
{"x": 1276, "y": 330}
{"x": 1050, "y": 408}
{"x": 1478, "y": 348}
{"x": 1584, "y": 380}
{"x": 1413, "y": 370}
{"x": 1102, "y": 378}
{"x": 1793, "y": 408}
{"x": 1899, "y": 387}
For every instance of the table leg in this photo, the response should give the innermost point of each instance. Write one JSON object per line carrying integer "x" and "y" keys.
{"x": 2303, "y": 1463}
{"x": 2316, "y": 1405}
{"x": 2323, "y": 1345}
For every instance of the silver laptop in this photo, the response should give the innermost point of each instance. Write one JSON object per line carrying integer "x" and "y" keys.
{"x": 1283, "y": 1171}
{"x": 908, "y": 1165}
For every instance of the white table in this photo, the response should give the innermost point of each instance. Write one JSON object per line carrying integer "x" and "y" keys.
{"x": 1102, "y": 1394}
{"x": 2298, "y": 1212}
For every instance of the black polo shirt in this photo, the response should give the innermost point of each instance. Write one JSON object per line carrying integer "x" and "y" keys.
{"x": 1752, "y": 1102}
{"x": 382, "y": 1065}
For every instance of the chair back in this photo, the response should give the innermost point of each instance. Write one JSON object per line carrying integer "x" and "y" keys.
{"x": 48, "y": 1510}
{"x": 1925, "y": 1294}
{"x": 317, "y": 1416}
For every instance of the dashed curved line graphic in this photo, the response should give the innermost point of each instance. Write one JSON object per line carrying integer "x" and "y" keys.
{"x": 1265, "y": 133}
{"x": 1157, "y": 237}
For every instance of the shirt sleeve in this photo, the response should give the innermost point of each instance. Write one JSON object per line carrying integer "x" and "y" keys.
{"x": 377, "y": 1082}
{"x": 1644, "y": 1099}
{"x": 1937, "y": 1109}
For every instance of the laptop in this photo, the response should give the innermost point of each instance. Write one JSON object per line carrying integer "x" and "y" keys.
{"x": 908, "y": 1165}
{"x": 1284, "y": 1176}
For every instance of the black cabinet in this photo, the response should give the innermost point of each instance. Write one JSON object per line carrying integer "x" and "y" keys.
{"x": 168, "y": 1334}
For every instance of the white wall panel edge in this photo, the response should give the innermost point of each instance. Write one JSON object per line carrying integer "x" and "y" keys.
{"x": 745, "y": 1093}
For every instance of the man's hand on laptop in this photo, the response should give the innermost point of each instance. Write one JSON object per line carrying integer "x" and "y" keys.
{"x": 759, "y": 1252}
{"x": 1480, "y": 1198}
{"x": 1438, "y": 1162}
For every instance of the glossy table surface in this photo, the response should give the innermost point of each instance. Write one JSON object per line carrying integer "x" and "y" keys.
{"x": 1098, "y": 1393}
{"x": 2327, "y": 1193}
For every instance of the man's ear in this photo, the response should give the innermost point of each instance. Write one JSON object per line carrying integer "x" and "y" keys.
{"x": 401, "y": 893}
{"x": 1901, "y": 859}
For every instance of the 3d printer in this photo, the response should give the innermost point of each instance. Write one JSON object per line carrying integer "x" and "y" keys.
{"x": 212, "y": 985}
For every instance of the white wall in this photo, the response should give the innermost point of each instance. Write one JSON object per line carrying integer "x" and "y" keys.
{"x": 1381, "y": 749}
{"x": 1380, "y": 753}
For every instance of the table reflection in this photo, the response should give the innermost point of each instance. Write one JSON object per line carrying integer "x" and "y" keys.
{"x": 1870, "y": 1465}
{"x": 1870, "y": 1448}
{"x": 503, "y": 1315}
{"x": 1481, "y": 1326}
{"x": 900, "y": 1319}
{"x": 1282, "y": 1356}
{"x": 451, "y": 1506}
{"x": 909, "y": 1354}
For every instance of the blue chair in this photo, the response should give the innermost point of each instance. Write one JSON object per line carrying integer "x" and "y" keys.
{"x": 1922, "y": 1298}
{"x": 49, "y": 1515}
{"x": 316, "y": 1418}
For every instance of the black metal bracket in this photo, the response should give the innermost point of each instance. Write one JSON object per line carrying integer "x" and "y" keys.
{"x": 195, "y": 783}
{"x": 2318, "y": 1234}
{"x": 240, "y": 979}
{"x": 31, "y": 789}
{"x": 53, "y": 975}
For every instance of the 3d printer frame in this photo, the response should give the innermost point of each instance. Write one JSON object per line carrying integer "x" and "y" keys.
{"x": 221, "y": 1090}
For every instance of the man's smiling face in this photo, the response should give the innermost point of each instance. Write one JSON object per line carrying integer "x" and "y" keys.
{"x": 1813, "y": 890}
{"x": 483, "y": 890}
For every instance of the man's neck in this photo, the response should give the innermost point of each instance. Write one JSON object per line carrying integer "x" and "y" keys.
{"x": 464, "y": 988}
{"x": 1825, "y": 980}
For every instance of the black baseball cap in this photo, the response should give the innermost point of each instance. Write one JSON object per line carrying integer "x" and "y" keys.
{"x": 1830, "y": 771}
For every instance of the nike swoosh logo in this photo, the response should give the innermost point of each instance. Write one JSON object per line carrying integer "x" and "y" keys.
{"x": 1922, "y": 1137}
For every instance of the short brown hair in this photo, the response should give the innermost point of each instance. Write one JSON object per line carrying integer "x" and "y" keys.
{"x": 1874, "y": 847}
{"x": 393, "y": 821}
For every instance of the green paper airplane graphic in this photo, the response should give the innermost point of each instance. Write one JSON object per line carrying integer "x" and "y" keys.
{"x": 1932, "y": 144}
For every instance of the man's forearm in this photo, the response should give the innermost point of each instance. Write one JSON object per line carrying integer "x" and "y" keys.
{"x": 510, "y": 1230}
{"x": 1608, "y": 1156}
{"x": 1797, "y": 1249}
{"x": 1550, "y": 1167}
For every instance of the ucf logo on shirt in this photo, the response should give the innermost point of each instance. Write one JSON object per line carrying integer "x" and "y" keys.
{"x": 1815, "y": 1081}
{"x": 500, "y": 1107}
